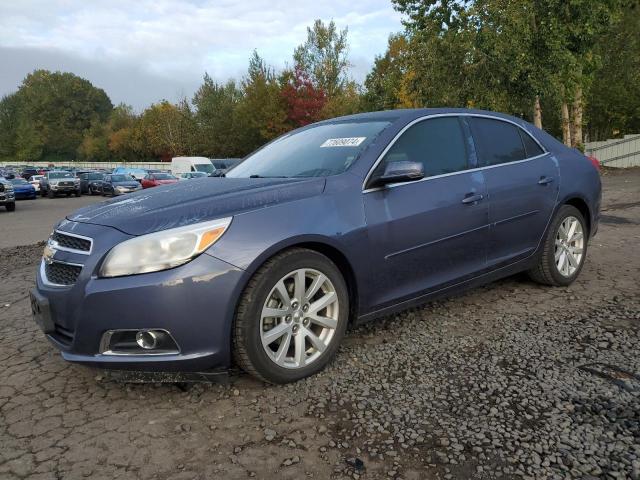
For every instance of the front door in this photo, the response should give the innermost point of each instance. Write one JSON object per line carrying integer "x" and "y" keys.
{"x": 426, "y": 234}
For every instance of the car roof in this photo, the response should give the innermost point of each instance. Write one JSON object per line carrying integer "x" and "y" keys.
{"x": 408, "y": 114}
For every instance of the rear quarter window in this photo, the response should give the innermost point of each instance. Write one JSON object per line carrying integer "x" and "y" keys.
{"x": 531, "y": 147}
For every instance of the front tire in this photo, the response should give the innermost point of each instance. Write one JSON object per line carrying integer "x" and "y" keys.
{"x": 564, "y": 250}
{"x": 291, "y": 317}
{"x": 11, "y": 207}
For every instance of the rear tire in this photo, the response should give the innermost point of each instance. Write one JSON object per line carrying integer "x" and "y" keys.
{"x": 554, "y": 267}
{"x": 311, "y": 333}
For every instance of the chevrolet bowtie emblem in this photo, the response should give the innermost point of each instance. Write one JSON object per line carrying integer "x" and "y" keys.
{"x": 48, "y": 254}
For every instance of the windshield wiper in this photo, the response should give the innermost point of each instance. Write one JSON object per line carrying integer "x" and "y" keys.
{"x": 274, "y": 176}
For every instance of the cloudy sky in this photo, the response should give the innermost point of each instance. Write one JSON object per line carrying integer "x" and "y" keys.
{"x": 146, "y": 50}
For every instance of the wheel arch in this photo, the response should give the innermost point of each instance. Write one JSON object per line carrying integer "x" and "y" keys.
{"x": 325, "y": 247}
{"x": 582, "y": 206}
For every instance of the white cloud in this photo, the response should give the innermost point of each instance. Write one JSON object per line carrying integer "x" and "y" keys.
{"x": 172, "y": 43}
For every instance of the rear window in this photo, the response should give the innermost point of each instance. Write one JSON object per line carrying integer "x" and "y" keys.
{"x": 497, "y": 141}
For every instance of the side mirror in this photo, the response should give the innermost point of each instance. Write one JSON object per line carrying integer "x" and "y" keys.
{"x": 403, "y": 171}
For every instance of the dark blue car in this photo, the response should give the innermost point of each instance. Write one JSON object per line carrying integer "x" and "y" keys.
{"x": 338, "y": 222}
{"x": 23, "y": 189}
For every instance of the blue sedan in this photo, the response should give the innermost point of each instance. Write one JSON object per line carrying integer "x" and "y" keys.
{"x": 23, "y": 189}
{"x": 336, "y": 223}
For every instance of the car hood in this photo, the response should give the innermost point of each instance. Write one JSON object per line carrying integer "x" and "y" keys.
{"x": 184, "y": 203}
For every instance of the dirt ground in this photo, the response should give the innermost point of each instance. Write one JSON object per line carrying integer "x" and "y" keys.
{"x": 490, "y": 384}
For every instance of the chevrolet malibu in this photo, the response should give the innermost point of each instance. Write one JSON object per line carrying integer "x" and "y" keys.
{"x": 333, "y": 224}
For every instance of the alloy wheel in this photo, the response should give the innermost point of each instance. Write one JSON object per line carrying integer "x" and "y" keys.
{"x": 299, "y": 318}
{"x": 569, "y": 246}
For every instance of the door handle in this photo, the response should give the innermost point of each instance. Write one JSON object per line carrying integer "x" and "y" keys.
{"x": 545, "y": 180}
{"x": 471, "y": 198}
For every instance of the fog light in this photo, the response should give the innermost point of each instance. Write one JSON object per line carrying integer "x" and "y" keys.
{"x": 155, "y": 341}
{"x": 147, "y": 339}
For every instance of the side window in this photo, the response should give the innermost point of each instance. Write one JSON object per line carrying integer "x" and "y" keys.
{"x": 530, "y": 146}
{"x": 497, "y": 141}
{"x": 437, "y": 143}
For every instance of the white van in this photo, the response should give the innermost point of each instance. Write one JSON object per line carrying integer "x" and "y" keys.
{"x": 181, "y": 165}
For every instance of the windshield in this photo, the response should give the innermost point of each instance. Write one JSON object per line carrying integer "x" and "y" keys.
{"x": 204, "y": 167}
{"x": 122, "y": 178}
{"x": 318, "y": 151}
{"x": 163, "y": 176}
{"x": 94, "y": 176}
{"x": 19, "y": 181}
{"x": 60, "y": 175}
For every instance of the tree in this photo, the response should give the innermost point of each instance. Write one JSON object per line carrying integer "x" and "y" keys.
{"x": 48, "y": 116}
{"x": 388, "y": 85}
{"x": 9, "y": 108}
{"x": 215, "y": 105}
{"x": 613, "y": 107}
{"x": 261, "y": 114}
{"x": 304, "y": 101}
{"x": 323, "y": 57}
{"x": 164, "y": 130}
{"x": 59, "y": 107}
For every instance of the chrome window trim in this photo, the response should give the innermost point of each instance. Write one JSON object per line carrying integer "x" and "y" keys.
{"x": 438, "y": 115}
{"x": 53, "y": 244}
{"x": 45, "y": 280}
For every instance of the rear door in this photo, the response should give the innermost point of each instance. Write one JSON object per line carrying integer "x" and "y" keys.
{"x": 426, "y": 234}
{"x": 522, "y": 181}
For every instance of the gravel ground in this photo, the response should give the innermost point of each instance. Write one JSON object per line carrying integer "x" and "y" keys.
{"x": 512, "y": 380}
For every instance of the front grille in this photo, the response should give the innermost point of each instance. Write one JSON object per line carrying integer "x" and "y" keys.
{"x": 62, "y": 273}
{"x": 66, "y": 184}
{"x": 62, "y": 335}
{"x": 74, "y": 243}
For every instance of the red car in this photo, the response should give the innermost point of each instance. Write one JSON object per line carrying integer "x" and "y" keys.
{"x": 156, "y": 179}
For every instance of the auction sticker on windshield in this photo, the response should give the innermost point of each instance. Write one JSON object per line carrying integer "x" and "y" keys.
{"x": 343, "y": 142}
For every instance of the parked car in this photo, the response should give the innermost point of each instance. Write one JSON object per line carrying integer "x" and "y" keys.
{"x": 338, "y": 222}
{"x": 91, "y": 182}
{"x": 23, "y": 189}
{"x": 56, "y": 182}
{"x": 136, "y": 173}
{"x": 221, "y": 166}
{"x": 35, "y": 181}
{"x": 28, "y": 172}
{"x": 8, "y": 174}
{"x": 157, "y": 179}
{"x": 7, "y": 196}
{"x": 192, "y": 175}
{"x": 119, "y": 184}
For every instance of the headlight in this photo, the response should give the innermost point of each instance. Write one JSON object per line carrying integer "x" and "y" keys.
{"x": 162, "y": 250}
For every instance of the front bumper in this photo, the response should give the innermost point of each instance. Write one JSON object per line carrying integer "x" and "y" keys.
{"x": 194, "y": 302}
{"x": 7, "y": 197}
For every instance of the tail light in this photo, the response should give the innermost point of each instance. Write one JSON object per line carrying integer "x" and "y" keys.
{"x": 594, "y": 161}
